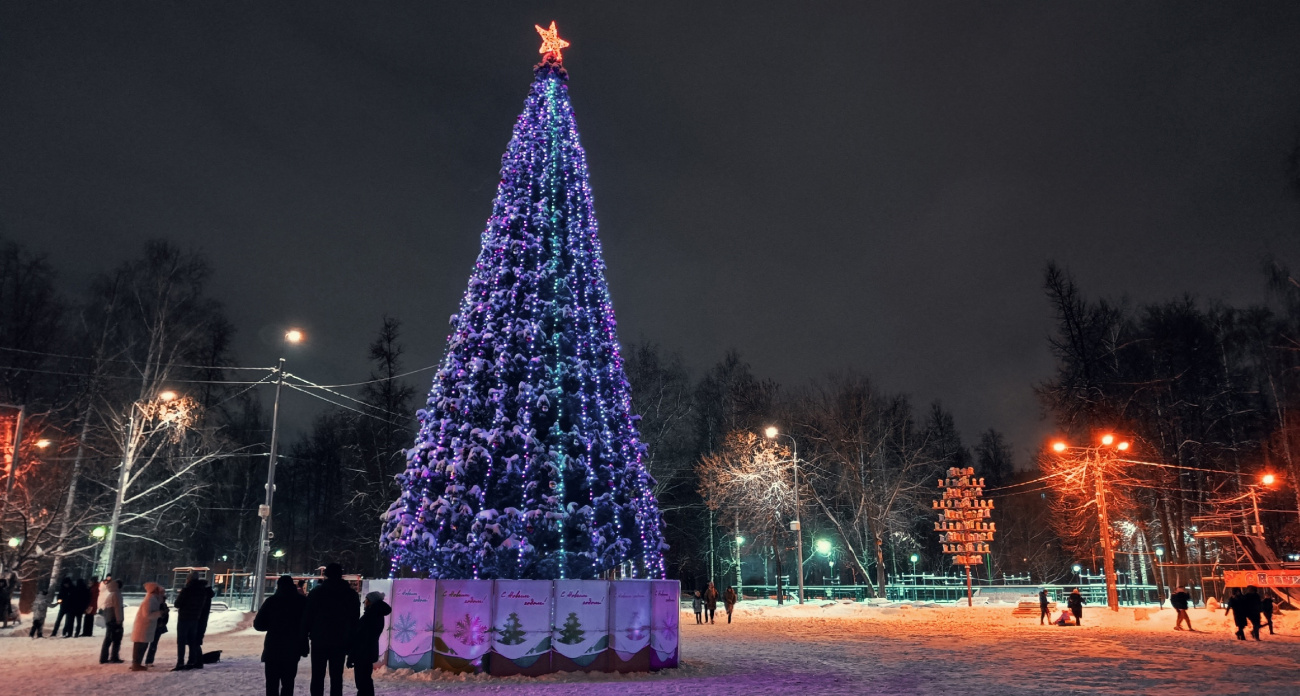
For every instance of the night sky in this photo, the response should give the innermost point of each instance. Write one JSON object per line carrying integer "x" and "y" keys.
{"x": 822, "y": 186}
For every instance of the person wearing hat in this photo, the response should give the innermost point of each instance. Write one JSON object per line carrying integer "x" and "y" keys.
{"x": 281, "y": 617}
{"x": 1075, "y": 603}
{"x": 364, "y": 652}
{"x": 329, "y": 622}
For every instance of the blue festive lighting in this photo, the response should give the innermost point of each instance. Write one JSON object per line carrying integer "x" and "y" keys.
{"x": 528, "y": 463}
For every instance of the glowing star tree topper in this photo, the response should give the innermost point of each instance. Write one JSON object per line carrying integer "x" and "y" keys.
{"x": 551, "y": 41}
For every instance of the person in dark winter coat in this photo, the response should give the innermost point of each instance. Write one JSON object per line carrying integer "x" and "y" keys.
{"x": 193, "y": 605}
{"x": 364, "y": 652}
{"x": 65, "y": 600}
{"x": 1043, "y": 611}
{"x": 710, "y": 603}
{"x": 1266, "y": 606}
{"x": 1180, "y": 601}
{"x": 281, "y": 618}
{"x": 1075, "y": 602}
{"x": 697, "y": 603}
{"x": 77, "y": 610}
{"x": 92, "y": 607}
{"x": 160, "y": 630}
{"x": 4, "y": 603}
{"x": 729, "y": 601}
{"x": 328, "y": 622}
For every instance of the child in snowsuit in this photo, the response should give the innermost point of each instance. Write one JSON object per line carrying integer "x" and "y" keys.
{"x": 39, "y": 607}
{"x": 697, "y": 603}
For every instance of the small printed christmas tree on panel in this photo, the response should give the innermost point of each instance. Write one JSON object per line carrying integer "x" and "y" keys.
{"x": 528, "y": 463}
{"x": 571, "y": 632}
{"x": 512, "y": 633}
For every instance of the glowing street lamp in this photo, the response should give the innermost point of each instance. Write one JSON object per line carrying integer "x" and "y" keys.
{"x": 99, "y": 532}
{"x": 795, "y": 526}
{"x": 15, "y": 542}
{"x": 292, "y": 336}
{"x": 42, "y": 443}
{"x": 1268, "y": 479}
{"x": 1095, "y": 455}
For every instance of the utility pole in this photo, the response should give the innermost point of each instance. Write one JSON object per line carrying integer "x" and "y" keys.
{"x": 264, "y": 511}
{"x": 1108, "y": 552}
{"x": 13, "y": 456}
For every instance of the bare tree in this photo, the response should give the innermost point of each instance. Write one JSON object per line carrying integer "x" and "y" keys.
{"x": 751, "y": 479}
{"x": 870, "y": 469}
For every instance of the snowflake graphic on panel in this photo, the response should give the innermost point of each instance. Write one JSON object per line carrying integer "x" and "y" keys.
{"x": 404, "y": 628}
{"x": 470, "y": 630}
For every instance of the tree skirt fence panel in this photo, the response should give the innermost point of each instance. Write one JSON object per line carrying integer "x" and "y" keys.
{"x": 532, "y": 627}
{"x": 462, "y": 633}
{"x": 521, "y": 628}
{"x": 665, "y": 615}
{"x": 630, "y": 632}
{"x": 410, "y": 636}
{"x": 580, "y": 628}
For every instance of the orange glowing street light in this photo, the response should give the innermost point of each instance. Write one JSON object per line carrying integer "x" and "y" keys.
{"x": 1108, "y": 440}
{"x": 1268, "y": 479}
{"x": 168, "y": 395}
{"x": 42, "y": 443}
{"x": 293, "y": 336}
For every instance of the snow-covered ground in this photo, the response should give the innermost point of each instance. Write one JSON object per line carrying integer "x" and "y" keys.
{"x": 794, "y": 650}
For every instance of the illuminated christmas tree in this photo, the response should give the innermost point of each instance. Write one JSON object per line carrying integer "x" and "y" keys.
{"x": 528, "y": 463}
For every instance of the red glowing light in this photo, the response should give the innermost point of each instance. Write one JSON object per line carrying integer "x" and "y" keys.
{"x": 1058, "y": 446}
{"x": 551, "y": 41}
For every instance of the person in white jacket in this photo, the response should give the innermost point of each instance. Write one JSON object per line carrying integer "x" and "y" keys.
{"x": 146, "y": 622}
{"x": 110, "y": 607}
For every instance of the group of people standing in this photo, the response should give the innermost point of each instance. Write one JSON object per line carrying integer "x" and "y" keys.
{"x": 1247, "y": 608}
{"x": 77, "y": 601}
{"x": 193, "y": 606}
{"x": 325, "y": 626}
{"x": 706, "y": 604}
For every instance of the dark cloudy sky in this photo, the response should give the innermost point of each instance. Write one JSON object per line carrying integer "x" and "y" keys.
{"x": 865, "y": 185}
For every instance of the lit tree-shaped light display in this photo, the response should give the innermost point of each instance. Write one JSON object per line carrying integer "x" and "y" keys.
{"x": 528, "y": 463}
{"x": 963, "y": 526}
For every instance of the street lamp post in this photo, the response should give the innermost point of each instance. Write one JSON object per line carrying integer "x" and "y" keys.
{"x": 1164, "y": 586}
{"x": 264, "y": 511}
{"x": 795, "y": 526}
{"x": 915, "y": 590}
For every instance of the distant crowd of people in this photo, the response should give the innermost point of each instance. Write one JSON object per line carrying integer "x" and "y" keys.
{"x": 326, "y": 624}
{"x": 1246, "y": 607}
